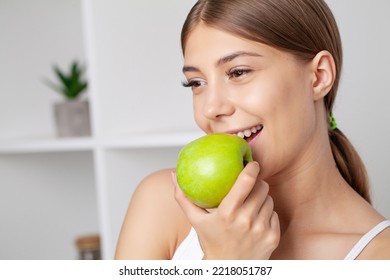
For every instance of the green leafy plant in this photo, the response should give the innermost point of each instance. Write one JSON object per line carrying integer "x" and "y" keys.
{"x": 71, "y": 85}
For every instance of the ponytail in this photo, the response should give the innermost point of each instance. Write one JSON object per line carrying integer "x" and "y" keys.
{"x": 349, "y": 163}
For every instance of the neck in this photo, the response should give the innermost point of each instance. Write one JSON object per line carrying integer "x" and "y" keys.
{"x": 309, "y": 188}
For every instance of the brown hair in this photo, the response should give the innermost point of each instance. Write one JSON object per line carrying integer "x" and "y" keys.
{"x": 301, "y": 27}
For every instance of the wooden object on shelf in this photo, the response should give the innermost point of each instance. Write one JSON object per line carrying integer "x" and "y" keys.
{"x": 88, "y": 247}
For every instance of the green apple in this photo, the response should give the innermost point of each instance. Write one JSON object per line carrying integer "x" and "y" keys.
{"x": 208, "y": 167}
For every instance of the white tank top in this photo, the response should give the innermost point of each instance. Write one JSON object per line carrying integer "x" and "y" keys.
{"x": 190, "y": 248}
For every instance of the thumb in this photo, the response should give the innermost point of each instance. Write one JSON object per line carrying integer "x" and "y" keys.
{"x": 192, "y": 211}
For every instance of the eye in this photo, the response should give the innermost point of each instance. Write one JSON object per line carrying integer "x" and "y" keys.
{"x": 193, "y": 83}
{"x": 237, "y": 72}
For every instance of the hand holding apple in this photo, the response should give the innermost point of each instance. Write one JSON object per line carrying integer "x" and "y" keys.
{"x": 244, "y": 226}
{"x": 208, "y": 167}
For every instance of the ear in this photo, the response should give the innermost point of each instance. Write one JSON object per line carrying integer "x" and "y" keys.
{"x": 324, "y": 70}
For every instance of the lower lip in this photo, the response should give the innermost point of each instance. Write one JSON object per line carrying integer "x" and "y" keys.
{"x": 251, "y": 139}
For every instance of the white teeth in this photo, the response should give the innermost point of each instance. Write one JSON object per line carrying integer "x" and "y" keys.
{"x": 249, "y": 132}
{"x": 241, "y": 134}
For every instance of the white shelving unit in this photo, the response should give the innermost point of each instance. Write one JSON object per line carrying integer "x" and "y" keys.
{"x": 55, "y": 189}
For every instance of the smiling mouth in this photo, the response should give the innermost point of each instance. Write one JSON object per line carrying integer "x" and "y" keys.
{"x": 250, "y": 133}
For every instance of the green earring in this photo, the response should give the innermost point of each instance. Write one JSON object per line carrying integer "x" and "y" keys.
{"x": 332, "y": 122}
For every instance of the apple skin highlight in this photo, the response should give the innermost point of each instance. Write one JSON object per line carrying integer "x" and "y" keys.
{"x": 208, "y": 167}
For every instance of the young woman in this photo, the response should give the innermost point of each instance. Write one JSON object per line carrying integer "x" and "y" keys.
{"x": 272, "y": 68}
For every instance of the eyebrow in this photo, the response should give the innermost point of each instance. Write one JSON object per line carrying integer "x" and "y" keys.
{"x": 222, "y": 60}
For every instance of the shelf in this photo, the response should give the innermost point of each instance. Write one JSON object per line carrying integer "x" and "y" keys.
{"x": 47, "y": 200}
{"x": 136, "y": 141}
{"x": 152, "y": 140}
{"x": 38, "y": 145}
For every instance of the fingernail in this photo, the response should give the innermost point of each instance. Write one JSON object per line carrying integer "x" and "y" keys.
{"x": 256, "y": 167}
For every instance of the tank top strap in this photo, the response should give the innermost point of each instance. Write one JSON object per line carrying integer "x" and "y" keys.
{"x": 363, "y": 242}
{"x": 190, "y": 248}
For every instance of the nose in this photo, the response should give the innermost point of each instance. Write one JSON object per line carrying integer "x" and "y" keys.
{"x": 217, "y": 103}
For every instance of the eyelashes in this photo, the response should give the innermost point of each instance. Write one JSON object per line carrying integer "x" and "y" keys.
{"x": 235, "y": 74}
{"x": 187, "y": 84}
{"x": 192, "y": 83}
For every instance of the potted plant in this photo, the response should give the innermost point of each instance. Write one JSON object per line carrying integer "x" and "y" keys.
{"x": 72, "y": 114}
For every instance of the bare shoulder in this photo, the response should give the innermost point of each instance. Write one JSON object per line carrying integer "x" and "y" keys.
{"x": 154, "y": 223}
{"x": 378, "y": 248}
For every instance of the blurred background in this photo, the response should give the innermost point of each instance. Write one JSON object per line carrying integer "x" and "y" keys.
{"x": 63, "y": 191}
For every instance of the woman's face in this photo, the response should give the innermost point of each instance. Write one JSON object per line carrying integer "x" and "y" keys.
{"x": 244, "y": 87}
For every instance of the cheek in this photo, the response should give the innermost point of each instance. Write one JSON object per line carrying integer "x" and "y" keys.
{"x": 263, "y": 99}
{"x": 287, "y": 101}
{"x": 289, "y": 120}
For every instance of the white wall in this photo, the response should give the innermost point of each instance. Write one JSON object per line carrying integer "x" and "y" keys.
{"x": 46, "y": 202}
{"x": 139, "y": 62}
{"x": 34, "y": 35}
{"x": 362, "y": 105}
{"x": 40, "y": 194}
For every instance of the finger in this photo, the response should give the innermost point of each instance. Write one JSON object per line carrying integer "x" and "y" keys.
{"x": 241, "y": 188}
{"x": 274, "y": 221}
{"x": 266, "y": 210}
{"x": 192, "y": 211}
{"x": 274, "y": 234}
{"x": 267, "y": 217}
{"x": 255, "y": 199}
